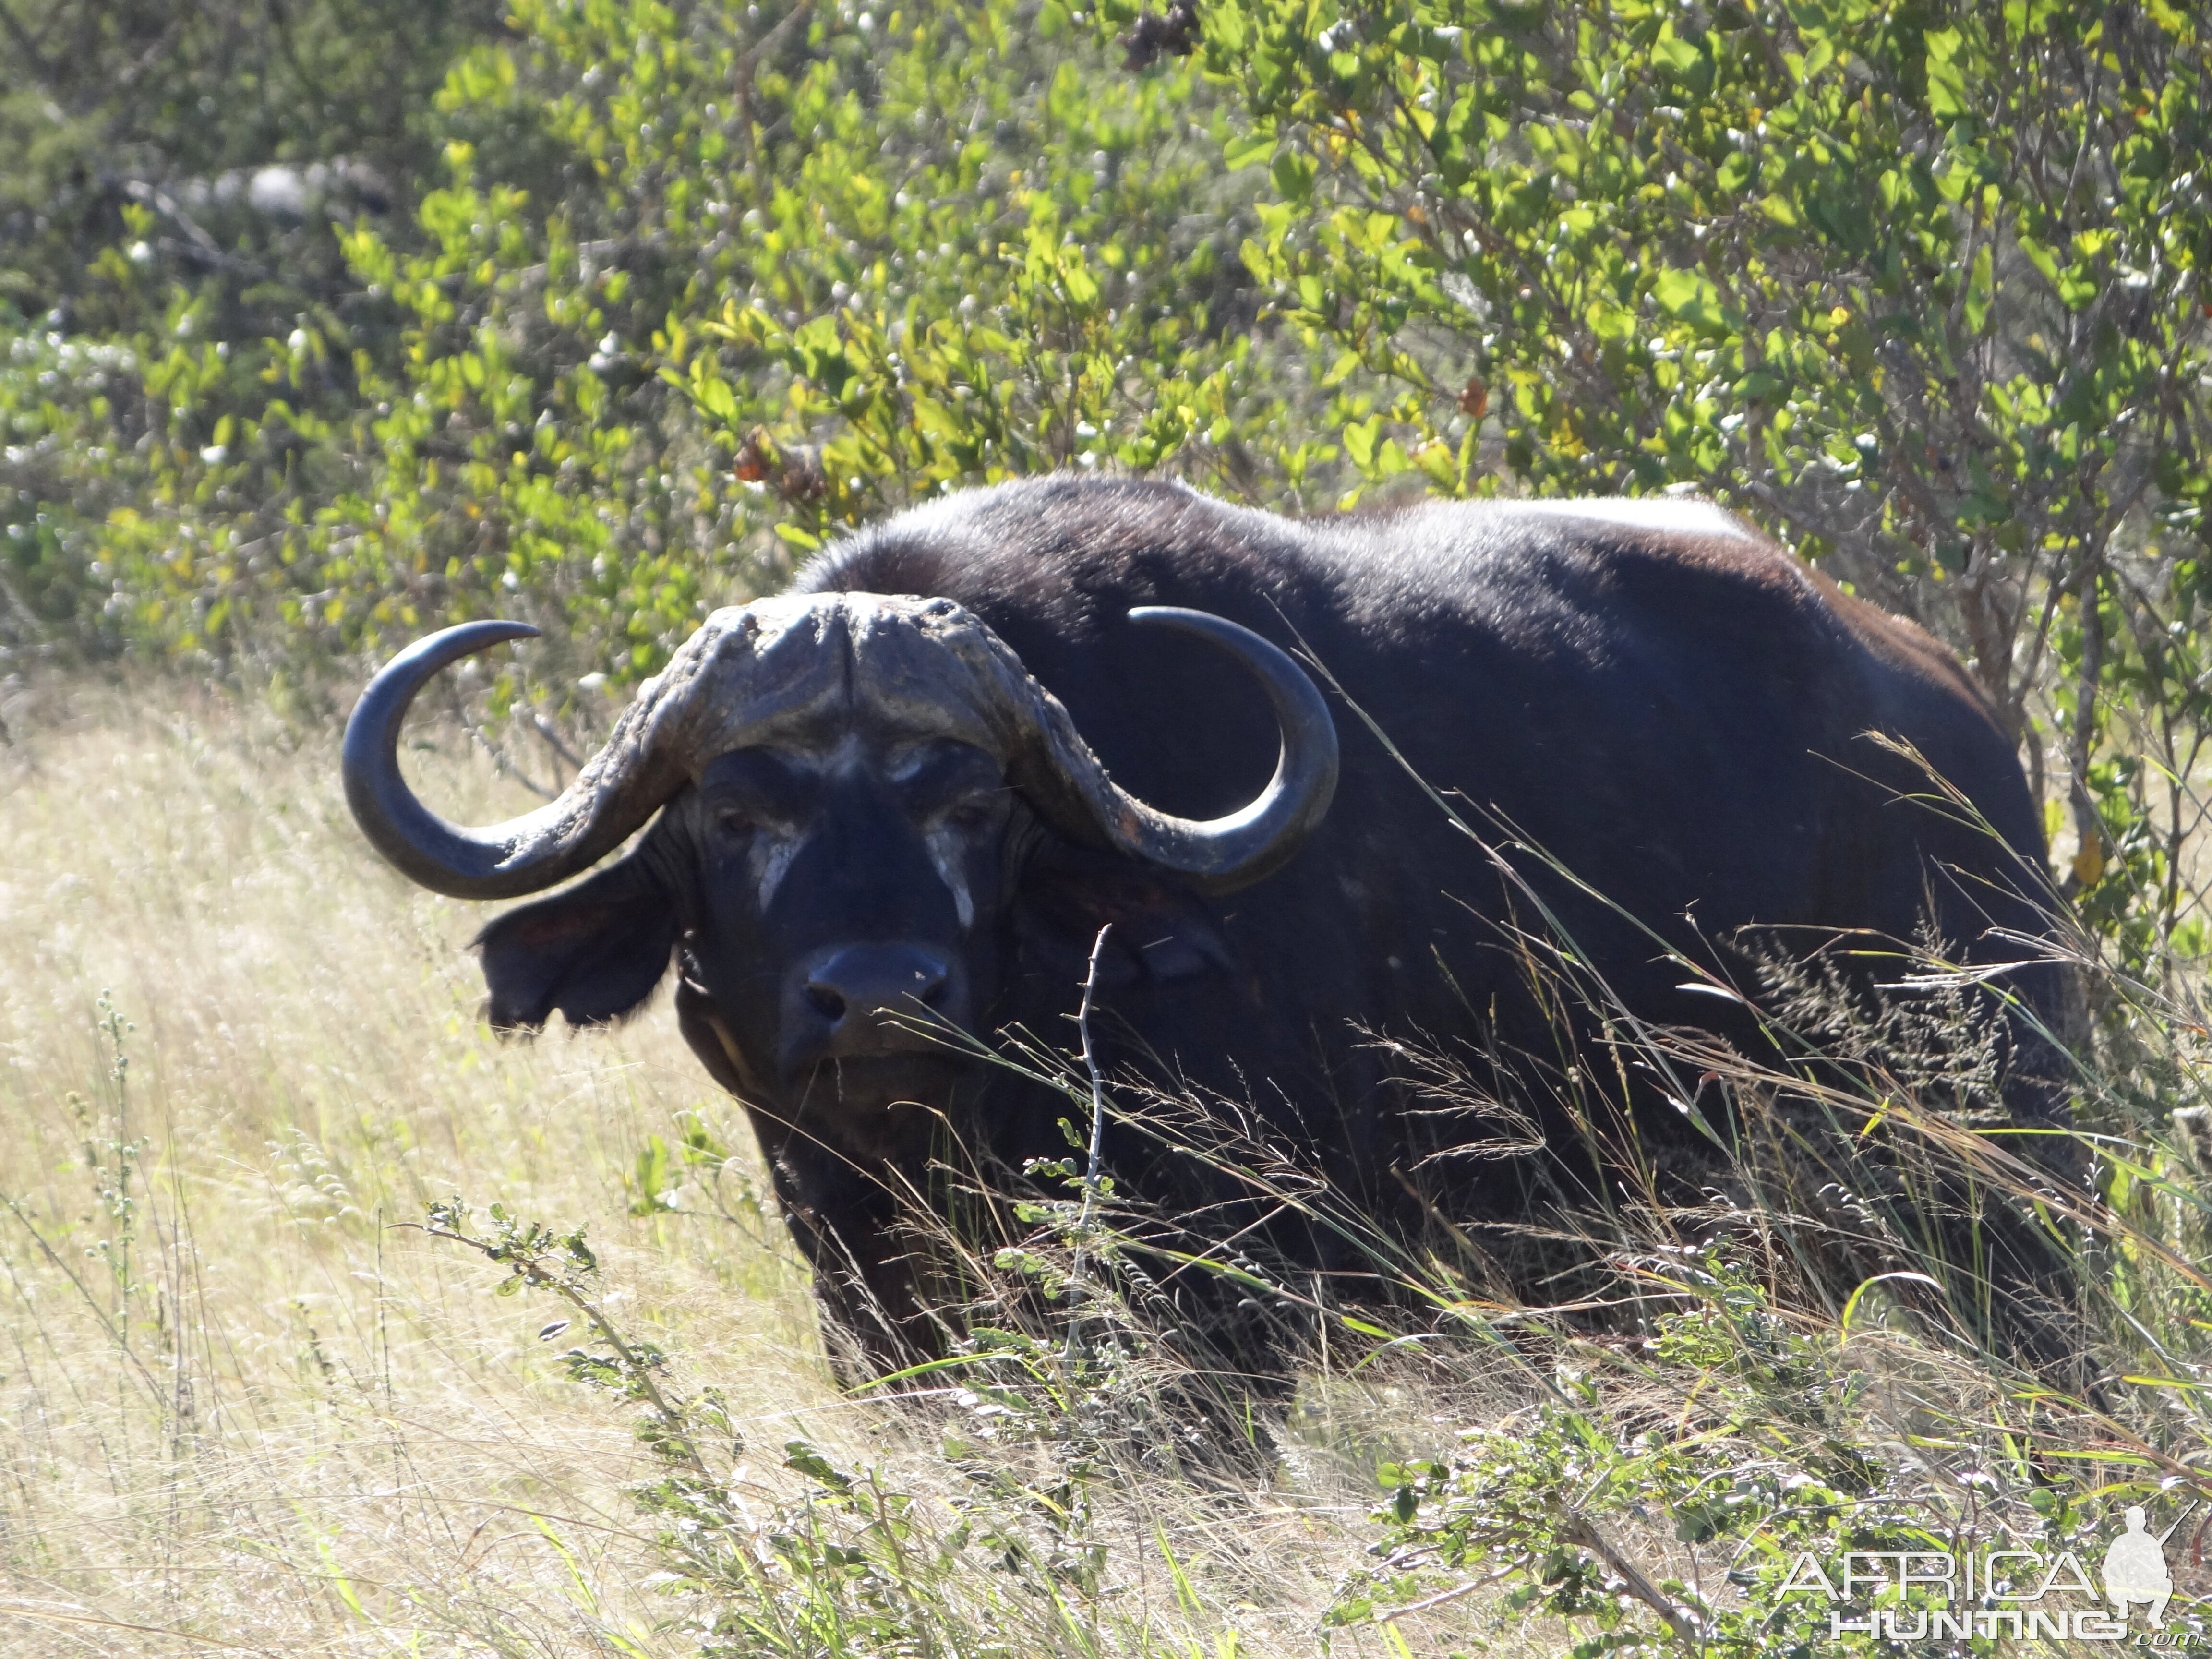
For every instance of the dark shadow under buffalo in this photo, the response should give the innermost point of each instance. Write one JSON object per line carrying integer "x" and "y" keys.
{"x": 872, "y": 816}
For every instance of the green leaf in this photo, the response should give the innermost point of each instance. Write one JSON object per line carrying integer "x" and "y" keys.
{"x": 1690, "y": 297}
{"x": 1948, "y": 98}
{"x": 714, "y": 397}
{"x": 1360, "y": 439}
{"x": 1678, "y": 55}
{"x": 1981, "y": 289}
{"x": 803, "y": 1459}
{"x": 2040, "y": 256}
{"x": 1248, "y": 149}
{"x": 1076, "y": 280}
{"x": 649, "y": 1179}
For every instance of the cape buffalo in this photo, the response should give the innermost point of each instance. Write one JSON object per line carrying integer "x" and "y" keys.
{"x": 913, "y": 788}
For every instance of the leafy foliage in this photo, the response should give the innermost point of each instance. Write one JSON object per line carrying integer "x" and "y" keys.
{"x": 601, "y": 311}
{"x": 1733, "y": 1443}
{"x": 246, "y": 130}
{"x": 849, "y": 1561}
{"x": 1921, "y": 288}
{"x": 790, "y": 267}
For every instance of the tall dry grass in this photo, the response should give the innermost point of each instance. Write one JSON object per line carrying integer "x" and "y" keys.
{"x": 250, "y": 1405}
{"x": 248, "y": 1408}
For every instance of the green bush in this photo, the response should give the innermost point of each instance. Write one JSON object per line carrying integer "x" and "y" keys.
{"x": 786, "y": 269}
{"x": 1921, "y": 289}
{"x": 671, "y": 292}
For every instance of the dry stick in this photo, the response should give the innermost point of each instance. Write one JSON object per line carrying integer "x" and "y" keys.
{"x": 1457, "y": 1592}
{"x": 551, "y": 733}
{"x": 2082, "y": 736}
{"x": 501, "y": 761}
{"x": 99, "y": 1312}
{"x": 59, "y": 1616}
{"x": 1581, "y": 1533}
{"x": 1097, "y": 1139}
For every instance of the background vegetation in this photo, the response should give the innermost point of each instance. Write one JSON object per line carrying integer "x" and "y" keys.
{"x": 324, "y": 323}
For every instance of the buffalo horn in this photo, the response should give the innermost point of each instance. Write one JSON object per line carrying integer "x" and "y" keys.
{"x": 610, "y": 797}
{"x": 644, "y": 764}
{"x": 1220, "y": 854}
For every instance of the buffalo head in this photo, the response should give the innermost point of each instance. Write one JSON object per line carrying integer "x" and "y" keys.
{"x": 851, "y": 789}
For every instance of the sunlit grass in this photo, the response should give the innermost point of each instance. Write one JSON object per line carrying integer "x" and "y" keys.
{"x": 249, "y": 1406}
{"x": 240, "y": 1402}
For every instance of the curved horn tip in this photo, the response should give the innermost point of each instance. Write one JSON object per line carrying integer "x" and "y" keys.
{"x": 1235, "y": 852}
{"x": 444, "y": 857}
{"x": 388, "y": 695}
{"x": 463, "y": 639}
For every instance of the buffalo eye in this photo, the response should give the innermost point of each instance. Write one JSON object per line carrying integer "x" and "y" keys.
{"x": 751, "y": 789}
{"x": 971, "y": 810}
{"x": 952, "y": 784}
{"x": 737, "y": 819}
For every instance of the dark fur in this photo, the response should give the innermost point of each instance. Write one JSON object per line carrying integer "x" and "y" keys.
{"x": 1678, "y": 714}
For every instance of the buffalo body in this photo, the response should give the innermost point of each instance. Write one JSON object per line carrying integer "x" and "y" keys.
{"x": 1670, "y": 706}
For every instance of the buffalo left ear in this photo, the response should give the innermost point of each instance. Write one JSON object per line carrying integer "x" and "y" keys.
{"x": 594, "y": 952}
{"x": 1163, "y": 932}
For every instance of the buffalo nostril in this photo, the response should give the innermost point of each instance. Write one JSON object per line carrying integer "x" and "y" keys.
{"x": 862, "y": 999}
{"x": 865, "y": 981}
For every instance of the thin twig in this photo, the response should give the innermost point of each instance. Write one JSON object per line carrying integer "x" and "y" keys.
{"x": 551, "y": 733}
{"x": 1075, "y": 1286}
{"x": 61, "y": 1616}
{"x": 1442, "y": 1597}
{"x": 503, "y": 762}
{"x": 1580, "y": 1532}
{"x": 118, "y": 1336}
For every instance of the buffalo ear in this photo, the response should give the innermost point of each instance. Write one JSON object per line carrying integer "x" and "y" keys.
{"x": 1163, "y": 932}
{"x": 594, "y": 952}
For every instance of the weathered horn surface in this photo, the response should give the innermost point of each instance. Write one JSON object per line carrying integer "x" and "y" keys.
{"x": 749, "y": 673}
{"x": 1071, "y": 788}
{"x": 798, "y": 669}
{"x": 934, "y": 667}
